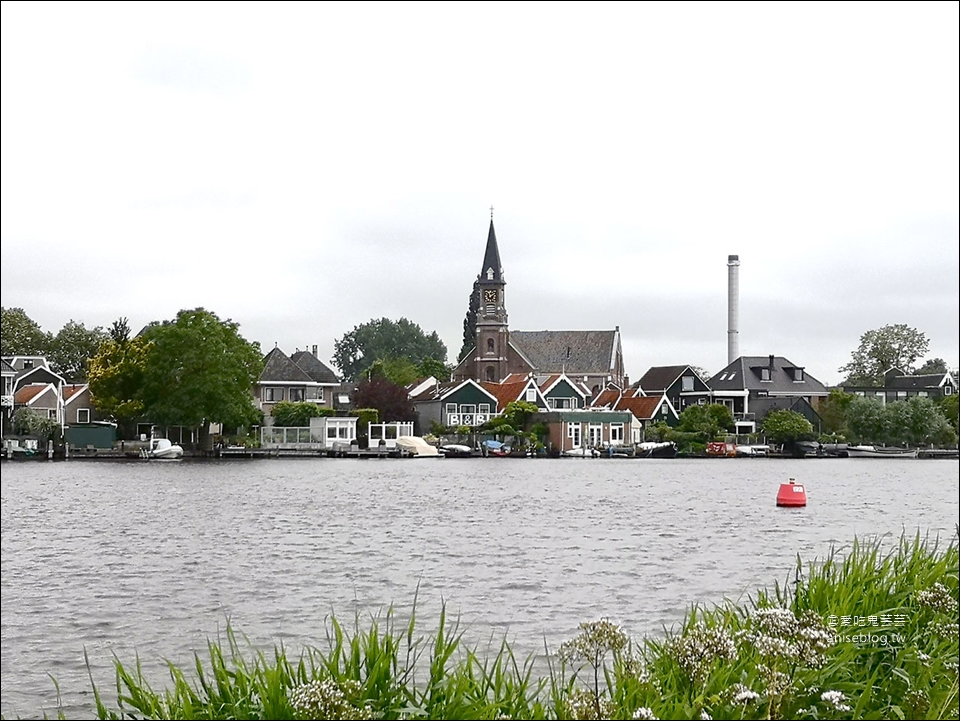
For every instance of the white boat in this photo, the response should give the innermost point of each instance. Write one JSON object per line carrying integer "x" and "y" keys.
{"x": 455, "y": 450}
{"x": 415, "y": 447}
{"x": 752, "y": 451}
{"x": 161, "y": 448}
{"x": 653, "y": 449}
{"x": 880, "y": 452}
{"x": 582, "y": 452}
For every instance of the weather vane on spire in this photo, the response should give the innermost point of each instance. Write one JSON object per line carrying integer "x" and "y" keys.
{"x": 491, "y": 212}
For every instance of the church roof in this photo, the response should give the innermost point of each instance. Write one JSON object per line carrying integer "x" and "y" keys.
{"x": 569, "y": 351}
{"x": 491, "y": 259}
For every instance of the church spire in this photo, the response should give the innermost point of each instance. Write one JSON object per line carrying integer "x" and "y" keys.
{"x": 491, "y": 270}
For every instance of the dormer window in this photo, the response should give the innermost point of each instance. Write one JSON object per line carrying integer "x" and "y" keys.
{"x": 798, "y": 374}
{"x": 764, "y": 374}
{"x": 489, "y": 273}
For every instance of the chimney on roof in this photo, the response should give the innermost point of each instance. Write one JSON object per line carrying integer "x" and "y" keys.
{"x": 314, "y": 351}
{"x": 771, "y": 362}
{"x": 733, "y": 308}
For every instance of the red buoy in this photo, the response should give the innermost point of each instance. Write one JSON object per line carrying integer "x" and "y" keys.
{"x": 791, "y": 495}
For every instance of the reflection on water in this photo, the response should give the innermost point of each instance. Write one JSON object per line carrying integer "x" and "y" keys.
{"x": 153, "y": 559}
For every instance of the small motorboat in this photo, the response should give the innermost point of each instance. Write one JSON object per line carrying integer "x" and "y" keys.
{"x": 880, "y": 452}
{"x": 455, "y": 450}
{"x": 416, "y": 447}
{"x": 161, "y": 449}
{"x": 653, "y": 449}
{"x": 582, "y": 452}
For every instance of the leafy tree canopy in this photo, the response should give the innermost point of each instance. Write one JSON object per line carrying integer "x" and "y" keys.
{"x": 72, "y": 348}
{"x": 199, "y": 371}
{"x": 294, "y": 414}
{"x": 950, "y": 407}
{"x": 21, "y": 335}
{"x": 115, "y": 374}
{"x": 708, "y": 421}
{"x": 833, "y": 411}
{"x": 388, "y": 398}
{"x": 893, "y": 346}
{"x": 786, "y": 427}
{"x": 932, "y": 366}
{"x": 28, "y": 422}
{"x": 355, "y": 353}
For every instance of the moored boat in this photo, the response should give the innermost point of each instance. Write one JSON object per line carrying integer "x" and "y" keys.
{"x": 880, "y": 452}
{"x": 415, "y": 447}
{"x": 162, "y": 449}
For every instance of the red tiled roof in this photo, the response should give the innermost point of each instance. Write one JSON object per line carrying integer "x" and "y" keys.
{"x": 643, "y": 408}
{"x": 28, "y": 393}
{"x": 505, "y": 392}
{"x": 71, "y": 390}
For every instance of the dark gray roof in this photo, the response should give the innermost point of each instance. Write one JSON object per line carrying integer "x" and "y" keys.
{"x": 744, "y": 374}
{"x": 314, "y": 367}
{"x": 491, "y": 258}
{"x": 910, "y": 382}
{"x": 567, "y": 351}
{"x": 278, "y": 368}
{"x": 659, "y": 378}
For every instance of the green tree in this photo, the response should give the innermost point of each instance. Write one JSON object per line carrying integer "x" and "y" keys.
{"x": 72, "y": 348}
{"x": 296, "y": 414}
{"x": 893, "y": 346}
{"x": 470, "y": 323}
{"x": 932, "y": 366}
{"x": 865, "y": 420}
{"x": 950, "y": 407}
{"x": 21, "y": 335}
{"x": 357, "y": 350}
{"x": 433, "y": 367}
{"x": 833, "y": 411}
{"x": 27, "y": 422}
{"x": 786, "y": 427}
{"x": 115, "y": 374}
{"x": 399, "y": 371}
{"x": 199, "y": 371}
{"x": 707, "y": 421}
{"x": 916, "y": 422}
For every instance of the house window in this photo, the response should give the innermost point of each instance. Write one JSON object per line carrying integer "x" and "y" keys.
{"x": 531, "y": 395}
{"x": 687, "y": 382}
{"x": 451, "y": 408}
{"x": 272, "y": 395}
{"x": 798, "y": 374}
{"x": 489, "y": 345}
{"x": 468, "y": 408}
{"x": 27, "y": 364}
{"x": 83, "y": 415}
{"x": 901, "y": 395}
{"x": 616, "y": 433}
{"x": 764, "y": 374}
{"x": 573, "y": 433}
{"x": 762, "y": 394}
{"x": 923, "y": 394}
{"x": 947, "y": 390}
{"x": 296, "y": 395}
{"x": 483, "y": 408}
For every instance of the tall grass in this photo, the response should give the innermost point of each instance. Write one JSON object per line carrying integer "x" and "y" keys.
{"x": 868, "y": 632}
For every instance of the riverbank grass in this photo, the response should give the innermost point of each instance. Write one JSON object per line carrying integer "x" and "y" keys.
{"x": 868, "y": 632}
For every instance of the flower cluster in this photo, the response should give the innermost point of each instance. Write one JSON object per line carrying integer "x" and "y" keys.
{"x": 585, "y": 706}
{"x": 325, "y": 699}
{"x": 836, "y": 700}
{"x": 778, "y": 633}
{"x": 938, "y": 598}
{"x": 741, "y": 694}
{"x": 595, "y": 639}
{"x": 644, "y": 713}
{"x": 697, "y": 649}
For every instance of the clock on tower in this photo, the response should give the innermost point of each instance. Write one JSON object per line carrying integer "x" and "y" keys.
{"x": 490, "y": 296}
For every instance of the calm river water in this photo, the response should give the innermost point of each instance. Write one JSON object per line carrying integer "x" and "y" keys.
{"x": 152, "y": 559}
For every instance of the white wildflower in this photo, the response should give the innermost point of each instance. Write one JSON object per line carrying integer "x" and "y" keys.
{"x": 835, "y": 699}
{"x": 644, "y": 713}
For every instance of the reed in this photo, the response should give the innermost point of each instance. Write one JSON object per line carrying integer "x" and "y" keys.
{"x": 867, "y": 632}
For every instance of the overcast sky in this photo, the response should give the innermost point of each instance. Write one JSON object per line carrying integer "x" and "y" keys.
{"x": 302, "y": 169}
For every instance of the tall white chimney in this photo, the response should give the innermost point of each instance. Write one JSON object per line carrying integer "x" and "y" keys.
{"x": 733, "y": 308}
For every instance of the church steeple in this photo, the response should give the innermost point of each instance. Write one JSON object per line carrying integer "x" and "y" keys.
{"x": 492, "y": 333}
{"x": 491, "y": 271}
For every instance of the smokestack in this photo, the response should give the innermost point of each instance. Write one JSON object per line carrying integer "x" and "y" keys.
{"x": 733, "y": 308}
